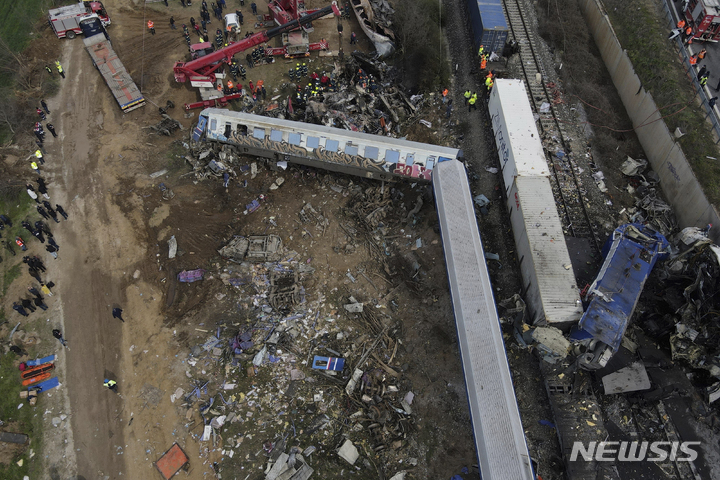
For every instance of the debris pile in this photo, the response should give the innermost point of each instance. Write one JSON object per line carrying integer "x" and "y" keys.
{"x": 167, "y": 126}
{"x": 302, "y": 370}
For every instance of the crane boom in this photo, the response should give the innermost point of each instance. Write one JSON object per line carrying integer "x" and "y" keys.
{"x": 203, "y": 68}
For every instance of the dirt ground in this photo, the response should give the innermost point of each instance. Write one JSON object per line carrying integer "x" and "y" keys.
{"x": 114, "y": 253}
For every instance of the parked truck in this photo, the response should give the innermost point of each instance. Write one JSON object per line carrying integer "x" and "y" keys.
{"x": 117, "y": 78}
{"x": 65, "y": 21}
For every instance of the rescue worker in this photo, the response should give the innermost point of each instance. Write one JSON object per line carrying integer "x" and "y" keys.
{"x": 489, "y": 84}
{"x": 693, "y": 59}
{"x": 110, "y": 384}
{"x": 41, "y": 113}
{"x": 703, "y": 80}
{"x": 61, "y": 211}
{"x": 59, "y": 68}
{"x": 467, "y": 96}
{"x": 481, "y": 51}
{"x": 151, "y": 26}
{"x": 483, "y": 62}
{"x": 185, "y": 29}
{"x": 39, "y": 156}
{"x": 44, "y": 106}
{"x": 51, "y": 127}
{"x": 471, "y": 102}
{"x": 681, "y": 23}
{"x": 353, "y": 38}
{"x": 701, "y": 54}
{"x": 230, "y": 86}
{"x": 49, "y": 70}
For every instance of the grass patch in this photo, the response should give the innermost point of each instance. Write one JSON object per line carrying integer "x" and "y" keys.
{"x": 642, "y": 30}
{"x": 175, "y": 158}
{"x": 10, "y": 275}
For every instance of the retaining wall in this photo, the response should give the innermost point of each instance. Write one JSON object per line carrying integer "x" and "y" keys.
{"x": 677, "y": 180}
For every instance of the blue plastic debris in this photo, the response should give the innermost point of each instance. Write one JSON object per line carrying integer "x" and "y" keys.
{"x": 328, "y": 363}
{"x": 547, "y": 423}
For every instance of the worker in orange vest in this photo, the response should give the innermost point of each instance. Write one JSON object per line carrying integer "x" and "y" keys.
{"x": 230, "y": 86}
{"x": 483, "y": 63}
{"x": 490, "y": 75}
{"x": 681, "y": 23}
{"x": 151, "y": 26}
{"x": 701, "y": 54}
{"x": 693, "y": 59}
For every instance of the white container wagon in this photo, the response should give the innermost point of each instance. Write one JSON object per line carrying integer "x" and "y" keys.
{"x": 516, "y": 135}
{"x": 549, "y": 285}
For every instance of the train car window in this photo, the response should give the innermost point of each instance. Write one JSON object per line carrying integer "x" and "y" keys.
{"x": 332, "y": 145}
{"x": 351, "y": 149}
{"x": 276, "y": 135}
{"x": 294, "y": 139}
{"x": 312, "y": 142}
{"x": 372, "y": 152}
{"x": 259, "y": 133}
{"x": 228, "y": 130}
{"x": 213, "y": 124}
{"x": 410, "y": 159}
{"x": 242, "y": 130}
{"x": 392, "y": 156}
{"x": 430, "y": 163}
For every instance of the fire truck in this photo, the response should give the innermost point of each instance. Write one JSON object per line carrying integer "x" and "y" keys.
{"x": 704, "y": 18}
{"x": 65, "y": 21}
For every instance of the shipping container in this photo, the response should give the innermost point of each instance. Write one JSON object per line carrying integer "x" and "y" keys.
{"x": 516, "y": 135}
{"x": 549, "y": 286}
{"x": 488, "y": 25}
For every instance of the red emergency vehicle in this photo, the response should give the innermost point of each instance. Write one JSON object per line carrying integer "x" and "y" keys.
{"x": 704, "y": 18}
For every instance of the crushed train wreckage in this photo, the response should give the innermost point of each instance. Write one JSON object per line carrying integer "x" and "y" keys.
{"x": 373, "y": 18}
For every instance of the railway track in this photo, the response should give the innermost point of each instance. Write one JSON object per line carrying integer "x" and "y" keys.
{"x": 570, "y": 194}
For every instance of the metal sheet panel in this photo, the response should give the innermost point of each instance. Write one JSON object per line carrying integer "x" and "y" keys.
{"x": 499, "y": 436}
{"x": 617, "y": 288}
{"x": 549, "y": 284}
{"x": 516, "y": 135}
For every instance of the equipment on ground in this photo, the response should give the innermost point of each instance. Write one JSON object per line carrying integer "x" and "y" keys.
{"x": 201, "y": 72}
{"x": 65, "y": 21}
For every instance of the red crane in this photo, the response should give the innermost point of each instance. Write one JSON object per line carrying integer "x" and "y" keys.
{"x": 203, "y": 68}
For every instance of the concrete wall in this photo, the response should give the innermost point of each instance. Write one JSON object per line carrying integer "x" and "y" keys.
{"x": 666, "y": 157}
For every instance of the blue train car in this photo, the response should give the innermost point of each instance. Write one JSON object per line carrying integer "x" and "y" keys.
{"x": 489, "y": 26}
{"x": 630, "y": 255}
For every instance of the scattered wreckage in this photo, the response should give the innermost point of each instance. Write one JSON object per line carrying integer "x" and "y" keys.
{"x": 373, "y": 19}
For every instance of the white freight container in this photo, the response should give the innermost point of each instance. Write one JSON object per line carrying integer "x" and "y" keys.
{"x": 549, "y": 286}
{"x": 516, "y": 135}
